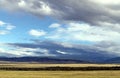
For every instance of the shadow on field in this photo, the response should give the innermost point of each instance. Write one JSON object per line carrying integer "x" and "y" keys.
{"x": 60, "y": 68}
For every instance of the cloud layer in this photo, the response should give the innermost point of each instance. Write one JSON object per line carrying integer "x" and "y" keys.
{"x": 95, "y": 21}
{"x": 89, "y": 11}
{"x": 37, "y": 33}
{"x": 61, "y": 50}
{"x": 82, "y": 32}
{"x": 93, "y": 12}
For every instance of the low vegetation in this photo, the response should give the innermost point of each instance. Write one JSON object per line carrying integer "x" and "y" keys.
{"x": 59, "y": 74}
{"x": 58, "y": 67}
{"x": 25, "y": 70}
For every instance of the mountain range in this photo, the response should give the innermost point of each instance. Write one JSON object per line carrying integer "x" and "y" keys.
{"x": 113, "y": 60}
{"x": 55, "y": 60}
{"x": 40, "y": 60}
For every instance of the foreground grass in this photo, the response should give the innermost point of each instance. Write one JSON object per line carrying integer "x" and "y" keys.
{"x": 59, "y": 74}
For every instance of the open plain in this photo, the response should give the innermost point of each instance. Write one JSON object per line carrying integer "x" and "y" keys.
{"x": 57, "y": 74}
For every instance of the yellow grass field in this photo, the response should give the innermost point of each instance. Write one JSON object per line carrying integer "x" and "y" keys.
{"x": 34, "y": 65}
{"x": 58, "y": 74}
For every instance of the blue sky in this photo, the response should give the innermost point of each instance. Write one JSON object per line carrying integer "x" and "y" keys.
{"x": 23, "y": 23}
{"x": 46, "y": 28}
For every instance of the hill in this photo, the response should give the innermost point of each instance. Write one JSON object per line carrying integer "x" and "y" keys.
{"x": 40, "y": 60}
{"x": 113, "y": 60}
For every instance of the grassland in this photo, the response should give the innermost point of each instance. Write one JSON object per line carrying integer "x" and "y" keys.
{"x": 35, "y": 65}
{"x": 58, "y": 74}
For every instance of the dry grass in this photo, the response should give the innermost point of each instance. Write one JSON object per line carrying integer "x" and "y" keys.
{"x": 56, "y": 65}
{"x": 59, "y": 74}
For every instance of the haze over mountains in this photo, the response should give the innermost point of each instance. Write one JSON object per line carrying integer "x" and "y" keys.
{"x": 40, "y": 60}
{"x": 113, "y": 60}
{"x": 55, "y": 60}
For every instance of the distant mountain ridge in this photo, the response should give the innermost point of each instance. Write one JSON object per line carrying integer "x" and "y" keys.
{"x": 56, "y": 60}
{"x": 113, "y": 60}
{"x": 40, "y": 60}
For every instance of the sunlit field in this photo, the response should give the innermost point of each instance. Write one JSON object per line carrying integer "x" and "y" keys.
{"x": 34, "y": 65}
{"x": 57, "y": 74}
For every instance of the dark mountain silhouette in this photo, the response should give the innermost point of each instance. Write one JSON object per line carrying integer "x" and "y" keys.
{"x": 40, "y": 60}
{"x": 113, "y": 60}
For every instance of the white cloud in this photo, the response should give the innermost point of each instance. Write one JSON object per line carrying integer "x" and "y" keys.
{"x": 61, "y": 52}
{"x": 5, "y": 28}
{"x": 45, "y": 8}
{"x": 37, "y": 8}
{"x": 110, "y": 47}
{"x": 54, "y": 25}
{"x": 84, "y": 32}
{"x": 37, "y": 33}
{"x": 2, "y": 23}
{"x": 19, "y": 51}
{"x": 23, "y": 51}
{"x": 4, "y": 32}
{"x": 22, "y": 3}
{"x": 107, "y": 2}
{"x": 10, "y": 27}
{"x": 2, "y": 50}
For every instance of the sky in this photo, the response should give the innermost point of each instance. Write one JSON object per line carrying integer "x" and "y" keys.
{"x": 79, "y": 29}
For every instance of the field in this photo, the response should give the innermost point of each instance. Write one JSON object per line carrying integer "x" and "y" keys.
{"x": 58, "y": 74}
{"x": 35, "y": 65}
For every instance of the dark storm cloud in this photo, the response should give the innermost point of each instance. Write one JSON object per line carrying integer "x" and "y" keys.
{"x": 80, "y": 10}
{"x": 85, "y": 11}
{"x": 62, "y": 50}
{"x": 69, "y": 10}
